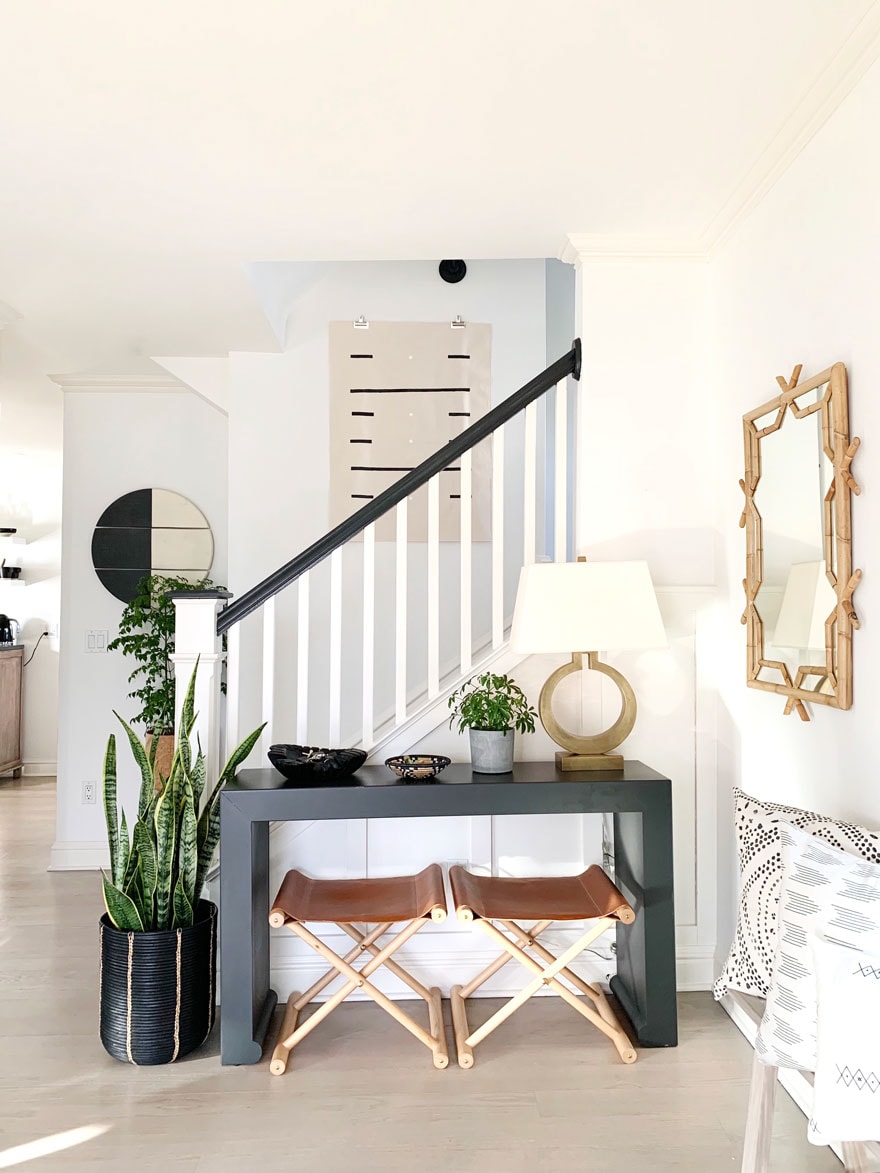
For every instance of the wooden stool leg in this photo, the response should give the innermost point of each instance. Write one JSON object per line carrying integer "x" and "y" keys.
{"x": 759, "y": 1118}
{"x": 281, "y": 1054}
{"x": 435, "y": 1017}
{"x": 460, "y": 1027}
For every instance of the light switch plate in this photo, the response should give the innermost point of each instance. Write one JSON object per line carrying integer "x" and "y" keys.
{"x": 96, "y": 641}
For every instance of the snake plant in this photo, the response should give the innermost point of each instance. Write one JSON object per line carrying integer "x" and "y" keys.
{"x": 157, "y": 875}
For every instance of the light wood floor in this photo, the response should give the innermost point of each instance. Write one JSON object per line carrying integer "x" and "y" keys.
{"x": 545, "y": 1094}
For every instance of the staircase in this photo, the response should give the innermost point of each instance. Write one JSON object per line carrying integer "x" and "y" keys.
{"x": 384, "y": 631}
{"x": 359, "y": 642}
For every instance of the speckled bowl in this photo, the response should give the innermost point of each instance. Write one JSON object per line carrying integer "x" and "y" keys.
{"x": 315, "y": 764}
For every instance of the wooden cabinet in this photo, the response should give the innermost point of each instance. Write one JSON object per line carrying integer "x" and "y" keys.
{"x": 10, "y": 709}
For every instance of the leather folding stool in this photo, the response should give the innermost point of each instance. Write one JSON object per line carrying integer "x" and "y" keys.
{"x": 381, "y": 903}
{"x": 483, "y": 900}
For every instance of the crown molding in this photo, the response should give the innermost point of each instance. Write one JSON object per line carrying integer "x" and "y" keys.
{"x": 108, "y": 383}
{"x": 821, "y": 98}
{"x": 585, "y": 246}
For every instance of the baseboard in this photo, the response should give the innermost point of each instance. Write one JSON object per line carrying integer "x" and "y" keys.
{"x": 39, "y": 769}
{"x": 694, "y": 967}
{"x": 79, "y": 855}
{"x": 442, "y": 958}
{"x": 440, "y": 969}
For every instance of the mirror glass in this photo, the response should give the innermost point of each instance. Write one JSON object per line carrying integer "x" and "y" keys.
{"x": 797, "y": 519}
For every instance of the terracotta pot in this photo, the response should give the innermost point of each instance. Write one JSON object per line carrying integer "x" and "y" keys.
{"x": 164, "y": 756}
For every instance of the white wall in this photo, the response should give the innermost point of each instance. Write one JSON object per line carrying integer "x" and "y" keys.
{"x": 30, "y": 500}
{"x": 797, "y": 284}
{"x": 115, "y": 442}
{"x": 645, "y": 490}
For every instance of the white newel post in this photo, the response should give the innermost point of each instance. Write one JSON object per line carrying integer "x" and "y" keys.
{"x": 196, "y": 641}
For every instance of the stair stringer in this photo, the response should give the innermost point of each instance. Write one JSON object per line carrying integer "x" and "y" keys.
{"x": 432, "y": 714}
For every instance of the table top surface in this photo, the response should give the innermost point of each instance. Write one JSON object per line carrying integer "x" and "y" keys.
{"x": 375, "y": 791}
{"x": 456, "y": 774}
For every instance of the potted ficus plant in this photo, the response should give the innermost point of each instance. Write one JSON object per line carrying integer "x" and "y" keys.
{"x": 158, "y": 936}
{"x": 491, "y": 708}
{"x": 146, "y": 633}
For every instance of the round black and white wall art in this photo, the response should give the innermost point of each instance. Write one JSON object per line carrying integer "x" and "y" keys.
{"x": 150, "y": 531}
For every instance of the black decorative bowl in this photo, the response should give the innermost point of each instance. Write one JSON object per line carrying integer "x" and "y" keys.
{"x": 417, "y": 766}
{"x": 314, "y": 764}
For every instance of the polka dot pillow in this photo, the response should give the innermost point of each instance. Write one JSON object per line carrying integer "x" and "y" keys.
{"x": 750, "y": 961}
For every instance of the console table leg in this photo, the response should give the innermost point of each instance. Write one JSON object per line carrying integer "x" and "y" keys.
{"x": 246, "y": 1001}
{"x": 645, "y": 981}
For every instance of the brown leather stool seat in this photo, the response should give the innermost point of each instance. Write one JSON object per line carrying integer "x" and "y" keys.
{"x": 347, "y": 904}
{"x": 351, "y": 901}
{"x": 483, "y": 900}
{"x": 584, "y": 897}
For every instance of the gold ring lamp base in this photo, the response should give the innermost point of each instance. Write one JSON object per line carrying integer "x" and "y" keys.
{"x": 588, "y": 753}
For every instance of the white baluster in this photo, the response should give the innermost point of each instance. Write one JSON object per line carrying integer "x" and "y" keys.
{"x": 529, "y": 474}
{"x": 268, "y": 717}
{"x": 560, "y": 516}
{"x": 233, "y": 690}
{"x": 335, "y": 647}
{"x": 465, "y": 564}
{"x": 400, "y": 608}
{"x": 302, "y": 659}
{"x": 369, "y": 633}
{"x": 498, "y": 538}
{"x": 433, "y": 586}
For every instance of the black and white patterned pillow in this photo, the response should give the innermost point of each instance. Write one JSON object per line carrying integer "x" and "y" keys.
{"x": 846, "y": 1090}
{"x": 827, "y": 894}
{"x": 750, "y": 961}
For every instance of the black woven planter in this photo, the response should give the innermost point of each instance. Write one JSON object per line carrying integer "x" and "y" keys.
{"x": 158, "y": 989}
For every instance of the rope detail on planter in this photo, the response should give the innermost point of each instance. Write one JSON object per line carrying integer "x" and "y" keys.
{"x": 128, "y": 999}
{"x": 210, "y": 989}
{"x": 177, "y": 1005}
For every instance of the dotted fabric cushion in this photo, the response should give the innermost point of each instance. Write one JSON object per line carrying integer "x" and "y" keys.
{"x": 825, "y": 893}
{"x": 750, "y": 961}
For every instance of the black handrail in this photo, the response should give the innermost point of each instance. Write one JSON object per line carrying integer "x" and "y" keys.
{"x": 569, "y": 364}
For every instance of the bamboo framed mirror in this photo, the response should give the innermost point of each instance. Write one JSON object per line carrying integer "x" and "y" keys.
{"x": 799, "y": 583}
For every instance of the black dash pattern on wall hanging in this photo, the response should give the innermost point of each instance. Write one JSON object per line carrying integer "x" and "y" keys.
{"x": 150, "y": 531}
{"x": 420, "y": 387}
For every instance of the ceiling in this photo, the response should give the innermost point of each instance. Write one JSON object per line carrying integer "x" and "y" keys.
{"x": 150, "y": 152}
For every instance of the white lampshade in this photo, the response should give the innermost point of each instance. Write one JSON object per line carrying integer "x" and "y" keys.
{"x": 808, "y": 601}
{"x": 586, "y": 607}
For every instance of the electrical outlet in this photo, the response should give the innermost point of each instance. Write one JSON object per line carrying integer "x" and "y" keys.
{"x": 89, "y": 793}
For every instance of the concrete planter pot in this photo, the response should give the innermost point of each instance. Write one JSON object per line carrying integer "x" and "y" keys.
{"x": 492, "y": 750}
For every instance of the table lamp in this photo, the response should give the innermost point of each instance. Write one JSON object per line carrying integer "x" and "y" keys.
{"x": 586, "y": 605}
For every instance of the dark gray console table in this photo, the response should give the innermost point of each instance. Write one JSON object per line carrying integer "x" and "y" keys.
{"x": 639, "y": 798}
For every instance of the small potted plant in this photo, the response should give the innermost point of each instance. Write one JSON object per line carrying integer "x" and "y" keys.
{"x": 146, "y": 633}
{"x": 491, "y": 708}
{"x": 158, "y": 936}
